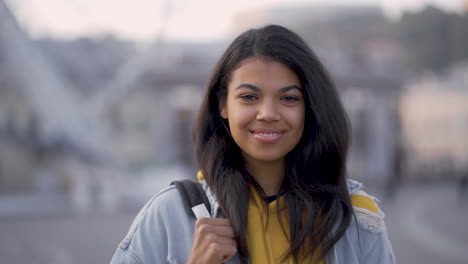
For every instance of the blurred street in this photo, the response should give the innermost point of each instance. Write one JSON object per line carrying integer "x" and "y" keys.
{"x": 426, "y": 224}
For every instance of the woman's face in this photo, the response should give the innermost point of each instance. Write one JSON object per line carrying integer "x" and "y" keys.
{"x": 265, "y": 109}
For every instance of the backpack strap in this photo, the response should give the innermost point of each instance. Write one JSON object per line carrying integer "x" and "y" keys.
{"x": 196, "y": 203}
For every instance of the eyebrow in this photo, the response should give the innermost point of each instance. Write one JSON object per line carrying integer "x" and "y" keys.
{"x": 255, "y": 88}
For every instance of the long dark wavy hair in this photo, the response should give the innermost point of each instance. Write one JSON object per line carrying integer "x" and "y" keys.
{"x": 318, "y": 203}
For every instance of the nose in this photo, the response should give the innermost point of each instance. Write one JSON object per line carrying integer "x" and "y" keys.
{"x": 268, "y": 111}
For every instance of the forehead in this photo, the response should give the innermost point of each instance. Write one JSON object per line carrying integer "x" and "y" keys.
{"x": 264, "y": 72}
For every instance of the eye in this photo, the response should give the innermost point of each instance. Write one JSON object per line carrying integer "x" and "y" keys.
{"x": 248, "y": 97}
{"x": 289, "y": 99}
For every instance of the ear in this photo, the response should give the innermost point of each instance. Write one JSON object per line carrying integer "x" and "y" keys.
{"x": 223, "y": 110}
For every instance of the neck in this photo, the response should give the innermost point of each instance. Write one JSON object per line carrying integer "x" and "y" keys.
{"x": 269, "y": 175}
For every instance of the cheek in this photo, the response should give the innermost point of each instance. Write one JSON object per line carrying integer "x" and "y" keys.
{"x": 240, "y": 117}
{"x": 296, "y": 119}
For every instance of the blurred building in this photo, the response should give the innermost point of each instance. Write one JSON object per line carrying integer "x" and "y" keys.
{"x": 434, "y": 113}
{"x": 77, "y": 115}
{"x": 151, "y": 123}
{"x": 48, "y": 142}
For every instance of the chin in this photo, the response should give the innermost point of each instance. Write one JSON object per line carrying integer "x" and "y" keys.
{"x": 267, "y": 157}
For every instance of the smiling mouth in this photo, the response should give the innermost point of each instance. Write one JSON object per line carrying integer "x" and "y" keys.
{"x": 267, "y": 135}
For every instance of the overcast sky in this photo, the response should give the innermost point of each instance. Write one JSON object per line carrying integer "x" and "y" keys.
{"x": 197, "y": 20}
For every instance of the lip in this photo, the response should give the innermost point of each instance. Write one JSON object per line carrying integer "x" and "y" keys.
{"x": 268, "y": 135}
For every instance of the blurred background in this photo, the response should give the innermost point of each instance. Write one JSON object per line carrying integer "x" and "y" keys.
{"x": 97, "y": 100}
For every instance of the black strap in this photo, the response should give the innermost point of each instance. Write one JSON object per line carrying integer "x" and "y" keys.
{"x": 192, "y": 194}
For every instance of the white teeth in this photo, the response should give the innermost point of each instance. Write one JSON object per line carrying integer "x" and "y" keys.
{"x": 268, "y": 134}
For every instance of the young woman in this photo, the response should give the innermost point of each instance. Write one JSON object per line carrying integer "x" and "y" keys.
{"x": 271, "y": 139}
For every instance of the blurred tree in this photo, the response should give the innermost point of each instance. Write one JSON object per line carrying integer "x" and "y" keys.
{"x": 433, "y": 39}
{"x": 459, "y": 37}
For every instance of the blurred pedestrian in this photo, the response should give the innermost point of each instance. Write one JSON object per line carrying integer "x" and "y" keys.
{"x": 463, "y": 187}
{"x": 271, "y": 140}
{"x": 396, "y": 177}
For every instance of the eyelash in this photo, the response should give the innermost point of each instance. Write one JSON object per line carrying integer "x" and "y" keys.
{"x": 251, "y": 97}
{"x": 290, "y": 99}
{"x": 248, "y": 97}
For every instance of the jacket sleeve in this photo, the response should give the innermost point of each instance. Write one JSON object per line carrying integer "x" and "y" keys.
{"x": 373, "y": 238}
{"x": 379, "y": 251}
{"x": 146, "y": 240}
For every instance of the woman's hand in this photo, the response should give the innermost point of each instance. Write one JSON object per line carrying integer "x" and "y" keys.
{"x": 213, "y": 241}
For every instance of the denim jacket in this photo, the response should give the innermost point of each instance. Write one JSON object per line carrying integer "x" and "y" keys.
{"x": 162, "y": 232}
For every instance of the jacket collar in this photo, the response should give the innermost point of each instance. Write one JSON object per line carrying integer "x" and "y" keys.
{"x": 211, "y": 198}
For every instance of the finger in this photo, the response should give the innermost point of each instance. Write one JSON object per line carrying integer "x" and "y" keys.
{"x": 216, "y": 239}
{"x": 222, "y": 251}
{"x": 225, "y": 231}
{"x": 214, "y": 221}
{"x": 229, "y": 253}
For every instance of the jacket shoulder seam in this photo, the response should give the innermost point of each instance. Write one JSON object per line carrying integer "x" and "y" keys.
{"x": 134, "y": 256}
{"x": 353, "y": 186}
{"x": 129, "y": 252}
{"x": 125, "y": 243}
